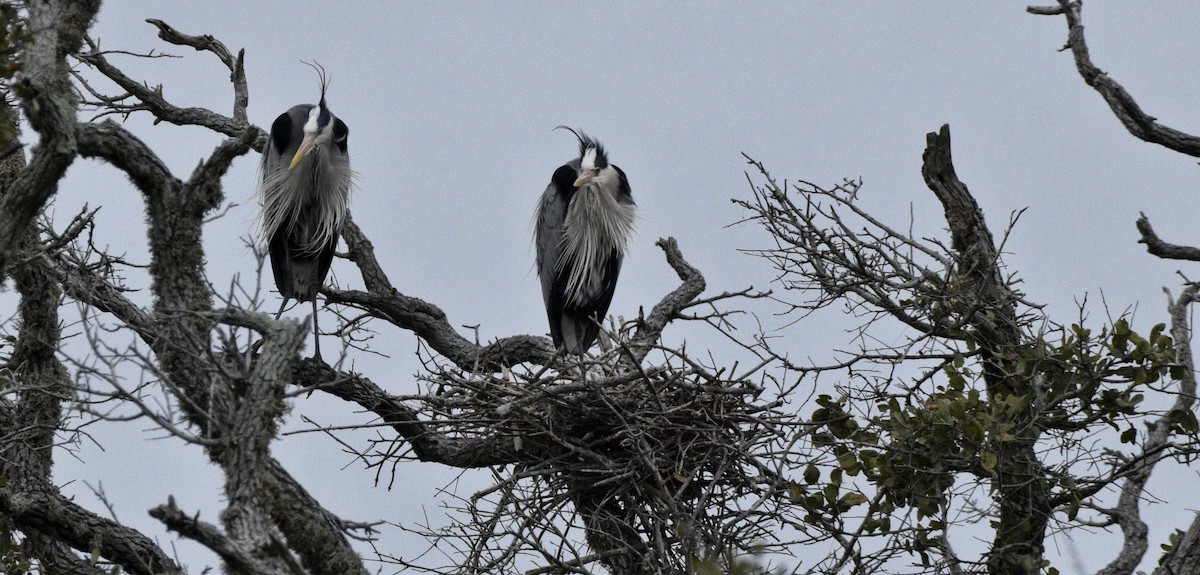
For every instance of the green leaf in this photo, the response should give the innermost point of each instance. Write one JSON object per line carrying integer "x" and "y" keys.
{"x": 1121, "y": 327}
{"x": 1073, "y": 508}
{"x": 1186, "y": 420}
{"x": 851, "y": 499}
{"x": 1129, "y": 435}
{"x": 849, "y": 462}
{"x": 811, "y": 474}
{"x": 795, "y": 492}
{"x": 987, "y": 460}
{"x": 831, "y": 493}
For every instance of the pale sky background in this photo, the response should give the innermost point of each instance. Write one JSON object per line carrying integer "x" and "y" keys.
{"x": 450, "y": 109}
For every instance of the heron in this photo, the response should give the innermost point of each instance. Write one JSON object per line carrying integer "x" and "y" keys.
{"x": 582, "y": 229}
{"x": 305, "y": 188}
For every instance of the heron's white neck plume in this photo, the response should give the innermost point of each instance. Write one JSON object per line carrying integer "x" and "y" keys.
{"x": 292, "y": 199}
{"x": 597, "y": 224}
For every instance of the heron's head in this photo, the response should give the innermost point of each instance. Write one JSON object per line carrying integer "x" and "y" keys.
{"x": 321, "y": 127}
{"x": 318, "y": 131}
{"x": 593, "y": 161}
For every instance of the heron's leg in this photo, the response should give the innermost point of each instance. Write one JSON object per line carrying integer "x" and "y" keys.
{"x": 282, "y": 305}
{"x": 316, "y": 333}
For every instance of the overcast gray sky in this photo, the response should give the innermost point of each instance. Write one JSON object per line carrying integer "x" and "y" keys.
{"x": 450, "y": 114}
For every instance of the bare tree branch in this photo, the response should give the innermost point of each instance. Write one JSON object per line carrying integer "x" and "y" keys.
{"x": 1022, "y": 497}
{"x": 650, "y": 330}
{"x": 1141, "y": 125}
{"x": 28, "y": 498}
{"x": 1127, "y": 512}
{"x": 153, "y": 101}
{"x": 124, "y": 151}
{"x": 56, "y": 27}
{"x": 239, "y": 559}
{"x": 1158, "y": 247}
{"x": 977, "y": 261}
{"x": 427, "y": 443}
{"x": 427, "y": 320}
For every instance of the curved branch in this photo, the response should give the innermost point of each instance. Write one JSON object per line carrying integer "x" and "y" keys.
{"x": 115, "y": 145}
{"x": 429, "y": 323}
{"x": 48, "y": 512}
{"x": 236, "y": 65}
{"x": 1141, "y": 125}
{"x": 1158, "y": 435}
{"x": 427, "y": 444}
{"x": 154, "y": 101}
{"x": 239, "y": 559}
{"x": 427, "y": 320}
{"x": 46, "y": 98}
{"x": 206, "y": 178}
{"x": 1162, "y": 249}
{"x": 205, "y": 43}
{"x": 650, "y": 329}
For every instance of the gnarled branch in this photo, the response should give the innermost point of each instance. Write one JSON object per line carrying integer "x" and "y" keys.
{"x": 1162, "y": 249}
{"x": 1139, "y": 123}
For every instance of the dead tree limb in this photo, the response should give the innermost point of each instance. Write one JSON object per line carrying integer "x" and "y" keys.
{"x": 1021, "y": 493}
{"x": 1142, "y": 125}
{"x": 1156, "y": 246}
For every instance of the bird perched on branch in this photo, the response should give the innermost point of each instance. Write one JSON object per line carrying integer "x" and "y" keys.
{"x": 305, "y": 187}
{"x": 584, "y": 221}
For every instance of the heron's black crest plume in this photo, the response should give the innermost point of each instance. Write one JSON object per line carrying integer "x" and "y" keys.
{"x": 321, "y": 75}
{"x": 585, "y": 142}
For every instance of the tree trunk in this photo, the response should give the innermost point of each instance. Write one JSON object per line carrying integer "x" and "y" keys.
{"x": 1019, "y": 491}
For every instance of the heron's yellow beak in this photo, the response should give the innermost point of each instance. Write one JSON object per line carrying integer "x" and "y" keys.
{"x": 305, "y": 146}
{"x": 584, "y": 178}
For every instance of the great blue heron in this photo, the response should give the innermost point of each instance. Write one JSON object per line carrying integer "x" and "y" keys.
{"x": 305, "y": 186}
{"x": 584, "y": 221}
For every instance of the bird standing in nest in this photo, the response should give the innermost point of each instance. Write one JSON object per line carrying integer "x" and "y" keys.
{"x": 584, "y": 221}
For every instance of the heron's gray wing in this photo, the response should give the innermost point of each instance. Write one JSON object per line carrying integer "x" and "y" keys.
{"x": 272, "y": 191}
{"x": 548, "y": 233}
{"x": 549, "y": 230}
{"x": 268, "y": 190}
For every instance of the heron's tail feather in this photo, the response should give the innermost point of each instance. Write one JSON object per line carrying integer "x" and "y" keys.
{"x": 304, "y": 282}
{"x": 297, "y": 275}
{"x": 578, "y": 333}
